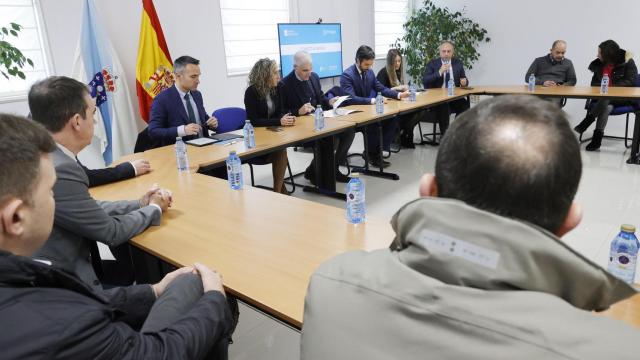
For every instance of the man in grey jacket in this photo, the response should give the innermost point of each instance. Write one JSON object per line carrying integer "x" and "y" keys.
{"x": 65, "y": 107}
{"x": 553, "y": 69}
{"x": 477, "y": 269}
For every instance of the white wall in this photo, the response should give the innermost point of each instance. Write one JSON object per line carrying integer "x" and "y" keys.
{"x": 522, "y": 30}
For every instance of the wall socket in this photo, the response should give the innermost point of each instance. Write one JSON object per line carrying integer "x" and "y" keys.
{"x": 475, "y": 99}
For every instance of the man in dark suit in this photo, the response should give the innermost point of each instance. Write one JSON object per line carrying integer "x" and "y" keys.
{"x": 65, "y": 107}
{"x": 437, "y": 75}
{"x": 179, "y": 110}
{"x": 53, "y": 314}
{"x": 301, "y": 93}
{"x": 360, "y": 83}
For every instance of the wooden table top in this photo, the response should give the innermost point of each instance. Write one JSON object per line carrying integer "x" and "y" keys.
{"x": 266, "y": 245}
{"x": 266, "y": 142}
{"x": 269, "y": 248}
{"x": 561, "y": 91}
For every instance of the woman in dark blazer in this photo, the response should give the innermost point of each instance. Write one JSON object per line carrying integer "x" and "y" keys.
{"x": 618, "y": 64}
{"x": 392, "y": 76}
{"x": 264, "y": 108}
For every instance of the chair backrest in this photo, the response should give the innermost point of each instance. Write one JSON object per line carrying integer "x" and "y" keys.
{"x": 230, "y": 119}
{"x": 144, "y": 142}
{"x": 333, "y": 92}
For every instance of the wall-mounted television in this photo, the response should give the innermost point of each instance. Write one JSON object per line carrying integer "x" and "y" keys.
{"x": 322, "y": 41}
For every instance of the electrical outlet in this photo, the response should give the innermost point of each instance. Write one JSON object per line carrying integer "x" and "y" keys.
{"x": 475, "y": 99}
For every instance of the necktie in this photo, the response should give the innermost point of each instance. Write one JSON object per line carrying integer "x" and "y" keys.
{"x": 363, "y": 76}
{"x": 191, "y": 114}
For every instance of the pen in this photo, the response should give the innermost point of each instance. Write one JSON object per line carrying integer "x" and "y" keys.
{"x": 230, "y": 143}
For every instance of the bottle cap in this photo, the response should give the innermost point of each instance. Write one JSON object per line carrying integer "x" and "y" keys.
{"x": 247, "y": 121}
{"x": 178, "y": 138}
{"x": 355, "y": 175}
{"x": 232, "y": 152}
{"x": 628, "y": 228}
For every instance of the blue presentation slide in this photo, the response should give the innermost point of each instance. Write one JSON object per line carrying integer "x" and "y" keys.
{"x": 322, "y": 41}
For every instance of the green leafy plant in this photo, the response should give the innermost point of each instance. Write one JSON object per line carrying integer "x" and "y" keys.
{"x": 11, "y": 58}
{"x": 427, "y": 27}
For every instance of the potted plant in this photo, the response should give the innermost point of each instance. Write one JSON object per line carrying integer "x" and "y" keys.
{"x": 11, "y": 58}
{"x": 427, "y": 27}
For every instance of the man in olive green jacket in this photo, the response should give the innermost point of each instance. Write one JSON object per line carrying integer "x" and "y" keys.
{"x": 477, "y": 269}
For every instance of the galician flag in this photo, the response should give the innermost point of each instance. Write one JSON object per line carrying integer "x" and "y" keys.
{"x": 97, "y": 65}
{"x": 154, "y": 70}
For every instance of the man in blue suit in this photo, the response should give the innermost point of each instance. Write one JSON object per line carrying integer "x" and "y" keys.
{"x": 301, "y": 94}
{"x": 179, "y": 110}
{"x": 437, "y": 75}
{"x": 360, "y": 83}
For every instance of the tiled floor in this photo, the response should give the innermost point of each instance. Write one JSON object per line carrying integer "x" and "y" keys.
{"x": 608, "y": 194}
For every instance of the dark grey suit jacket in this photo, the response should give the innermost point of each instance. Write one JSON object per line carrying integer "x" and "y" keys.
{"x": 79, "y": 220}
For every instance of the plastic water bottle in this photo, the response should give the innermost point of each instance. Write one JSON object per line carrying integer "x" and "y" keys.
{"x": 604, "y": 84}
{"x": 532, "y": 83}
{"x": 234, "y": 171}
{"x": 318, "y": 119}
{"x": 355, "y": 200}
{"x": 249, "y": 135}
{"x": 379, "y": 104}
{"x": 451, "y": 88}
{"x": 623, "y": 254}
{"x": 181, "y": 155}
{"x": 412, "y": 92}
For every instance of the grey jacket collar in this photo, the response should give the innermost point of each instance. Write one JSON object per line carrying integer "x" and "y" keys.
{"x": 461, "y": 245}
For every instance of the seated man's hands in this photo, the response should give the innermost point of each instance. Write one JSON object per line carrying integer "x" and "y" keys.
{"x": 191, "y": 129}
{"x": 288, "y": 120}
{"x": 212, "y": 123}
{"x": 211, "y": 279}
{"x": 158, "y": 196}
{"x": 142, "y": 166}
{"x": 160, "y": 287}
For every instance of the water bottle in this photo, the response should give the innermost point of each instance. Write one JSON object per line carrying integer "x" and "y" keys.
{"x": 532, "y": 83}
{"x": 451, "y": 88}
{"x": 318, "y": 119}
{"x": 181, "y": 155}
{"x": 604, "y": 84}
{"x": 249, "y": 135}
{"x": 623, "y": 254}
{"x": 355, "y": 199}
{"x": 412, "y": 92}
{"x": 234, "y": 171}
{"x": 379, "y": 104}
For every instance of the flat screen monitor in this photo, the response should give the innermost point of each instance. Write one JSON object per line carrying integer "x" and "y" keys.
{"x": 322, "y": 41}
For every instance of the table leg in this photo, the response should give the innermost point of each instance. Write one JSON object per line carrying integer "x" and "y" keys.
{"x": 634, "y": 157}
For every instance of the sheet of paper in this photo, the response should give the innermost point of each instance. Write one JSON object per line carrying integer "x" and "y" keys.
{"x": 340, "y": 100}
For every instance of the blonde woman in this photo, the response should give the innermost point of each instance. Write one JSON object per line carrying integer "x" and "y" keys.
{"x": 264, "y": 108}
{"x": 392, "y": 76}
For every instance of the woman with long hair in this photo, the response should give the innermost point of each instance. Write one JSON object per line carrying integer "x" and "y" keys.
{"x": 619, "y": 66}
{"x": 263, "y": 106}
{"x": 392, "y": 76}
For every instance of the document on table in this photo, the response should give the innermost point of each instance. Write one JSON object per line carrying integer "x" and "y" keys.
{"x": 339, "y": 112}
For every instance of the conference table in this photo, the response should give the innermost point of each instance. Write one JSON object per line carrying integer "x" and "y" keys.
{"x": 265, "y": 244}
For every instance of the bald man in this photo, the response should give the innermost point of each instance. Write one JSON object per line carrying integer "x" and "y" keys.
{"x": 477, "y": 269}
{"x": 301, "y": 94}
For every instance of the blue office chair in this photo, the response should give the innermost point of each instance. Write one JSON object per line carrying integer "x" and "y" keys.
{"x": 618, "y": 110}
{"x": 233, "y": 118}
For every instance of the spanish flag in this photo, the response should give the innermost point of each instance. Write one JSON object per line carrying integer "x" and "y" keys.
{"x": 154, "y": 69}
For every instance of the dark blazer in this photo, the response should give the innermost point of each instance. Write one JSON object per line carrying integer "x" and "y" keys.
{"x": 624, "y": 74}
{"x": 48, "y": 313}
{"x": 361, "y": 94}
{"x": 168, "y": 112}
{"x": 109, "y": 175}
{"x": 432, "y": 79}
{"x": 257, "y": 110}
{"x": 80, "y": 221}
{"x": 292, "y": 93}
{"x": 383, "y": 77}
